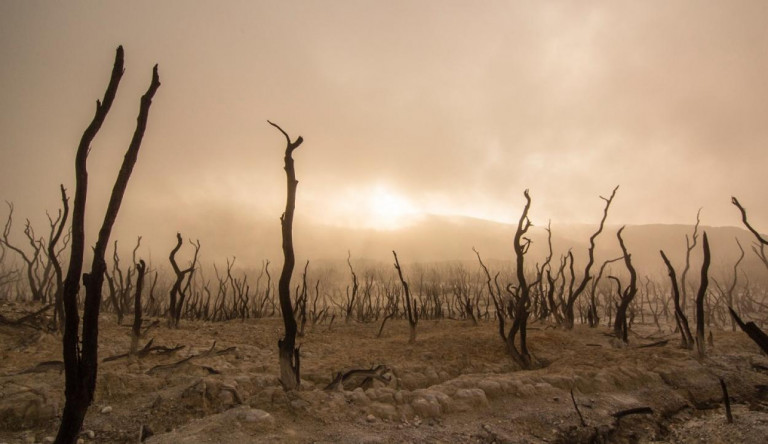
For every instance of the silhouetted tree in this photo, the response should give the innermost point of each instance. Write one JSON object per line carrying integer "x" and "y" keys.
{"x": 762, "y": 242}
{"x": 568, "y": 316}
{"x": 690, "y": 244}
{"x": 750, "y": 328}
{"x": 141, "y": 268}
{"x": 680, "y": 318}
{"x": 703, "y": 283}
{"x": 517, "y": 305}
{"x": 179, "y": 289}
{"x": 80, "y": 361}
{"x": 288, "y": 352}
{"x": 410, "y": 304}
{"x": 57, "y": 227}
{"x": 351, "y": 298}
{"x": 620, "y": 328}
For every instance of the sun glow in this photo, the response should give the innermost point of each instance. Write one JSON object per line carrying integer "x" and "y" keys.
{"x": 378, "y": 206}
{"x": 388, "y": 209}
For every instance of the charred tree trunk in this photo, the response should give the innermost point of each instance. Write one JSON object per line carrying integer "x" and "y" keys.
{"x": 620, "y": 328}
{"x": 141, "y": 268}
{"x": 410, "y": 305}
{"x": 700, "y": 346}
{"x": 520, "y": 309}
{"x": 177, "y": 293}
{"x": 80, "y": 365}
{"x": 680, "y": 318}
{"x": 288, "y": 352}
{"x": 752, "y": 330}
{"x": 568, "y": 316}
{"x": 58, "y": 304}
{"x": 689, "y": 246}
{"x": 355, "y": 286}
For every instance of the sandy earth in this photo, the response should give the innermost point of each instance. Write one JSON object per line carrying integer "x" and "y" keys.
{"x": 456, "y": 384}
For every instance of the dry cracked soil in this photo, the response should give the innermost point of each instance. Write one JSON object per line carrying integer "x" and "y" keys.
{"x": 455, "y": 384}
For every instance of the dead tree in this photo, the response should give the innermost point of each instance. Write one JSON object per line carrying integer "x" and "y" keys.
{"x": 32, "y": 261}
{"x": 8, "y": 276}
{"x": 680, "y": 318}
{"x": 620, "y": 328}
{"x": 289, "y": 353}
{"x": 689, "y": 246}
{"x": 80, "y": 362}
{"x": 732, "y": 288}
{"x": 177, "y": 293}
{"x": 53, "y": 258}
{"x": 120, "y": 285}
{"x": 141, "y": 268}
{"x": 752, "y": 330}
{"x": 351, "y": 299}
{"x": 568, "y": 316}
{"x": 761, "y": 241}
{"x": 519, "y": 304}
{"x": 410, "y": 305}
{"x": 495, "y": 292}
{"x": 593, "y": 318}
{"x": 700, "y": 346}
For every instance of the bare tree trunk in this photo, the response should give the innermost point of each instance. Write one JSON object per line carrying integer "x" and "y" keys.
{"x": 520, "y": 323}
{"x": 732, "y": 288}
{"x": 680, "y": 318}
{"x": 689, "y": 246}
{"x": 574, "y": 295}
{"x": 141, "y": 268}
{"x": 410, "y": 305}
{"x": 177, "y": 292}
{"x": 700, "y": 346}
{"x": 59, "y": 306}
{"x": 620, "y": 328}
{"x": 288, "y": 353}
{"x": 80, "y": 365}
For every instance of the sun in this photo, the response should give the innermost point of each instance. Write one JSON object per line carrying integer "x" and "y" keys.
{"x": 388, "y": 209}
{"x": 376, "y": 206}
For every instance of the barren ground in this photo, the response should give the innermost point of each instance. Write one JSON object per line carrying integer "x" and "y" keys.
{"x": 456, "y": 384}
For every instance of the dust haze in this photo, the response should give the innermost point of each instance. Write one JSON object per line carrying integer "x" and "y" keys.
{"x": 571, "y": 194}
{"x": 408, "y": 109}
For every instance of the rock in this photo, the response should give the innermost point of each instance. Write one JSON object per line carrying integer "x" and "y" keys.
{"x": 426, "y": 408}
{"x": 27, "y": 408}
{"x": 106, "y": 410}
{"x": 413, "y": 381}
{"x": 384, "y": 411}
{"x": 358, "y": 397}
{"x": 226, "y": 397}
{"x": 254, "y": 416}
{"x": 299, "y": 404}
{"x": 370, "y": 418}
{"x": 468, "y": 399}
{"x": 431, "y": 375}
{"x": 492, "y": 389}
{"x": 90, "y": 434}
{"x": 382, "y": 394}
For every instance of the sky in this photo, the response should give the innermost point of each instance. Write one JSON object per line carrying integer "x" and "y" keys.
{"x": 406, "y": 108}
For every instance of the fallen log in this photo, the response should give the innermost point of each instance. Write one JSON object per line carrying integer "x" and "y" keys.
{"x": 359, "y": 378}
{"x": 633, "y": 411}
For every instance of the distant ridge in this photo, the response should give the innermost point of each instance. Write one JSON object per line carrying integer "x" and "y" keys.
{"x": 437, "y": 238}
